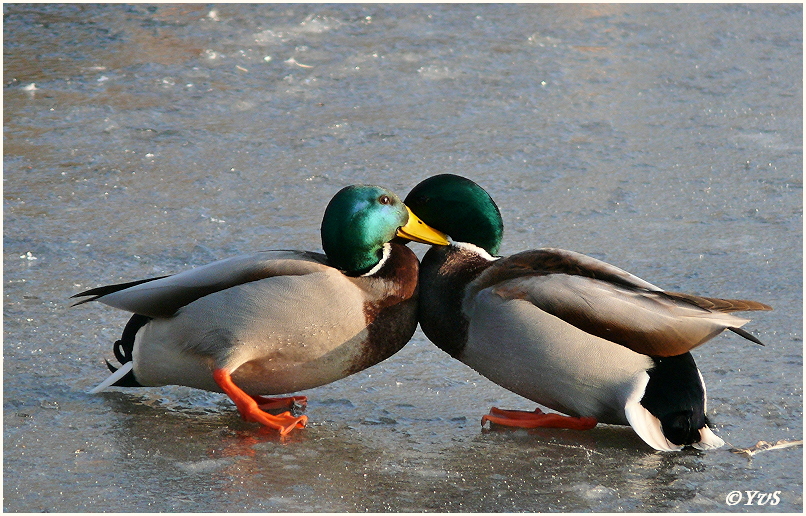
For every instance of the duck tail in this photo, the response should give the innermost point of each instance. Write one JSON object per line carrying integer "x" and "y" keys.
{"x": 123, "y": 376}
{"x": 675, "y": 395}
{"x": 747, "y": 335}
{"x": 117, "y": 375}
{"x": 708, "y": 440}
{"x": 648, "y": 427}
{"x": 682, "y": 427}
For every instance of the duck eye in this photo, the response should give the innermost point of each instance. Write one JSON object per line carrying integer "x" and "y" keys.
{"x": 384, "y": 199}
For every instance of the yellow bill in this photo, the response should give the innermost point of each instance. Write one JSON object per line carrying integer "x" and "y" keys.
{"x": 418, "y": 231}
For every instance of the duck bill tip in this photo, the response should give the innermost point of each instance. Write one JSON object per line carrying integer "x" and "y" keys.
{"x": 418, "y": 231}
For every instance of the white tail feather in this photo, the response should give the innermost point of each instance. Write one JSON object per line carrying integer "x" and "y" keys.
{"x": 708, "y": 440}
{"x": 648, "y": 428}
{"x": 114, "y": 377}
{"x": 642, "y": 421}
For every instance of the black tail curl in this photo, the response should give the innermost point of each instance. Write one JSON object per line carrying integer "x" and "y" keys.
{"x": 123, "y": 349}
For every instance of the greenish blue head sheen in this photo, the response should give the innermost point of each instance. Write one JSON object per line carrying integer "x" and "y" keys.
{"x": 459, "y": 207}
{"x": 357, "y": 222}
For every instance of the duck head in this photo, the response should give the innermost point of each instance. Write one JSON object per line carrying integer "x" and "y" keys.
{"x": 361, "y": 219}
{"x": 460, "y": 208}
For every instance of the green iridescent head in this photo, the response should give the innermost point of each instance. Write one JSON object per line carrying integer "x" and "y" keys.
{"x": 460, "y": 208}
{"x": 360, "y": 219}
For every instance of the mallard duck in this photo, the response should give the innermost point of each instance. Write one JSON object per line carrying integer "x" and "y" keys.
{"x": 570, "y": 332}
{"x": 278, "y": 322}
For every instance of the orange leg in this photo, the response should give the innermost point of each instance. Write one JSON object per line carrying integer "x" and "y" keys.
{"x": 290, "y": 402}
{"x": 249, "y": 409}
{"x": 537, "y": 419}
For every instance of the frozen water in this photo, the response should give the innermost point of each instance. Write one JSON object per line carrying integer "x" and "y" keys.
{"x": 141, "y": 140}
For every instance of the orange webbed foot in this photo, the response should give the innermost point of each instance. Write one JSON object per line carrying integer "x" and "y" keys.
{"x": 250, "y": 411}
{"x": 537, "y": 419}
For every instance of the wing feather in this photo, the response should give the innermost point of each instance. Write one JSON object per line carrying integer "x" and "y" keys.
{"x": 610, "y": 303}
{"x": 162, "y": 297}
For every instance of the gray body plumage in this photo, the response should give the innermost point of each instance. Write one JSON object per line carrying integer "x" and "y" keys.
{"x": 280, "y": 321}
{"x": 567, "y": 331}
{"x": 537, "y": 355}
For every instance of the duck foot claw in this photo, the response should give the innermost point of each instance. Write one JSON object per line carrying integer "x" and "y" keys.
{"x": 536, "y": 419}
{"x": 248, "y": 407}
